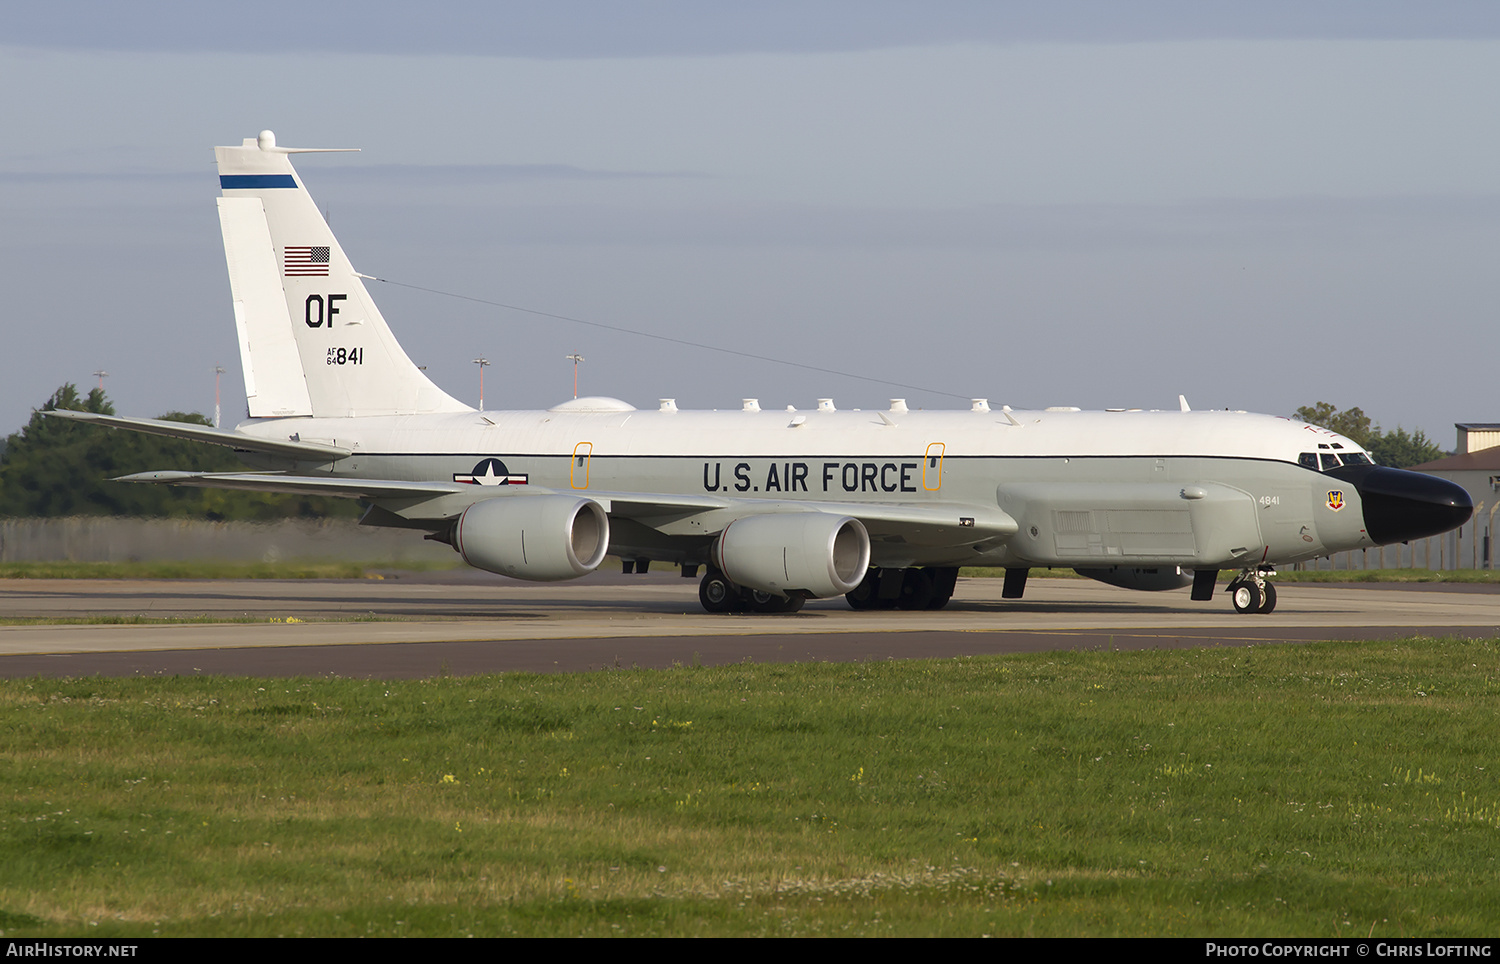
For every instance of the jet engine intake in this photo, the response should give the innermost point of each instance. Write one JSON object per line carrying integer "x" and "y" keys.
{"x": 814, "y": 554}
{"x": 541, "y": 538}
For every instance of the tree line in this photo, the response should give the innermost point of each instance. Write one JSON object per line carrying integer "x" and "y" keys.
{"x": 1397, "y": 448}
{"x": 59, "y": 467}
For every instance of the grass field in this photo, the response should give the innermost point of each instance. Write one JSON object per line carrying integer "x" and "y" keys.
{"x": 1332, "y": 789}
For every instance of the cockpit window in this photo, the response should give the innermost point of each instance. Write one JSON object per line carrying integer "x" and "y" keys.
{"x": 1323, "y": 461}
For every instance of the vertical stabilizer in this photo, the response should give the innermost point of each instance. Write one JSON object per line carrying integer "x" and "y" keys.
{"x": 311, "y": 340}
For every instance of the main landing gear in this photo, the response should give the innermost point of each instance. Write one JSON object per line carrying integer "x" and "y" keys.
{"x": 719, "y": 595}
{"x": 928, "y": 588}
{"x": 915, "y": 589}
{"x": 1251, "y": 593}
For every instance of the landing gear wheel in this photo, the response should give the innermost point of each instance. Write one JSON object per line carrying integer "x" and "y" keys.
{"x": 1268, "y": 599}
{"x": 717, "y": 593}
{"x": 1247, "y": 598}
{"x": 863, "y": 595}
{"x": 917, "y": 589}
{"x": 944, "y": 581}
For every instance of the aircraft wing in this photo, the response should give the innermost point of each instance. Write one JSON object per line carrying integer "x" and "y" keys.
{"x": 936, "y": 524}
{"x": 931, "y": 525}
{"x": 296, "y": 448}
{"x": 632, "y": 505}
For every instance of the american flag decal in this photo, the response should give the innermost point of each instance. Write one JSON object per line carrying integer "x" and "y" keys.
{"x": 305, "y": 261}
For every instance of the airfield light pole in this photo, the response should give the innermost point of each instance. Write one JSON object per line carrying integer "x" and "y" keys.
{"x": 218, "y": 371}
{"x": 575, "y": 358}
{"x": 101, "y": 374}
{"x": 481, "y": 361}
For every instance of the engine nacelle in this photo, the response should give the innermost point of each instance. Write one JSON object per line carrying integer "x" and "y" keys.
{"x": 812, "y": 553}
{"x": 1151, "y": 579}
{"x": 542, "y": 538}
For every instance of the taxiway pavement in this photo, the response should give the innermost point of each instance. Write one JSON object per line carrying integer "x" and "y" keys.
{"x": 425, "y": 625}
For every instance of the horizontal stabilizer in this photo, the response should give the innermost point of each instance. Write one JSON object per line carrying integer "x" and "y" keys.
{"x": 301, "y": 484}
{"x": 207, "y": 433}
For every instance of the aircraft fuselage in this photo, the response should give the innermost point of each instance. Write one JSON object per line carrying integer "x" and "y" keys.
{"x": 1200, "y": 489}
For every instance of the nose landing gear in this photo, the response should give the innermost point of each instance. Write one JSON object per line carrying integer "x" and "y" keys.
{"x": 1251, "y": 593}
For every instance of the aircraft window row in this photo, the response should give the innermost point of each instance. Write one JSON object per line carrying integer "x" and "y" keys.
{"x": 1323, "y": 461}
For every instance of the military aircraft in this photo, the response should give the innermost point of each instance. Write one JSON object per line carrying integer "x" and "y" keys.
{"x": 882, "y": 507}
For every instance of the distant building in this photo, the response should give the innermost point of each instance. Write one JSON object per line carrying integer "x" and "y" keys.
{"x": 1479, "y": 472}
{"x": 1476, "y": 467}
{"x": 1475, "y": 436}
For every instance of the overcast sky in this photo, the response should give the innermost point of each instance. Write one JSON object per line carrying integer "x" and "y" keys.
{"x": 1260, "y": 206}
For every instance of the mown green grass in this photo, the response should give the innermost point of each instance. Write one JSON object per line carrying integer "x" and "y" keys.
{"x": 998, "y": 572}
{"x": 1332, "y": 789}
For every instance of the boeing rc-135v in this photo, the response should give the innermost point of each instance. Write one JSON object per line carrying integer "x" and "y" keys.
{"x": 776, "y": 506}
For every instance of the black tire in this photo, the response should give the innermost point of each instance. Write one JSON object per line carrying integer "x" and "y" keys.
{"x": 917, "y": 590}
{"x": 1268, "y": 599}
{"x": 717, "y": 594}
{"x": 944, "y": 580}
{"x": 1246, "y": 596}
{"x": 862, "y": 596}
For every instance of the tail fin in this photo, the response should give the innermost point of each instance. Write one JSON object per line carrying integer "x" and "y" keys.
{"x": 312, "y": 341}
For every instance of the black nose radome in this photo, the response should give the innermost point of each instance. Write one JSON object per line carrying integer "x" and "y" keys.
{"x": 1401, "y": 505}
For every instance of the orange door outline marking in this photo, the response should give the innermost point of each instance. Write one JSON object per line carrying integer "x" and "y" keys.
{"x": 932, "y": 467}
{"x": 578, "y": 469}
